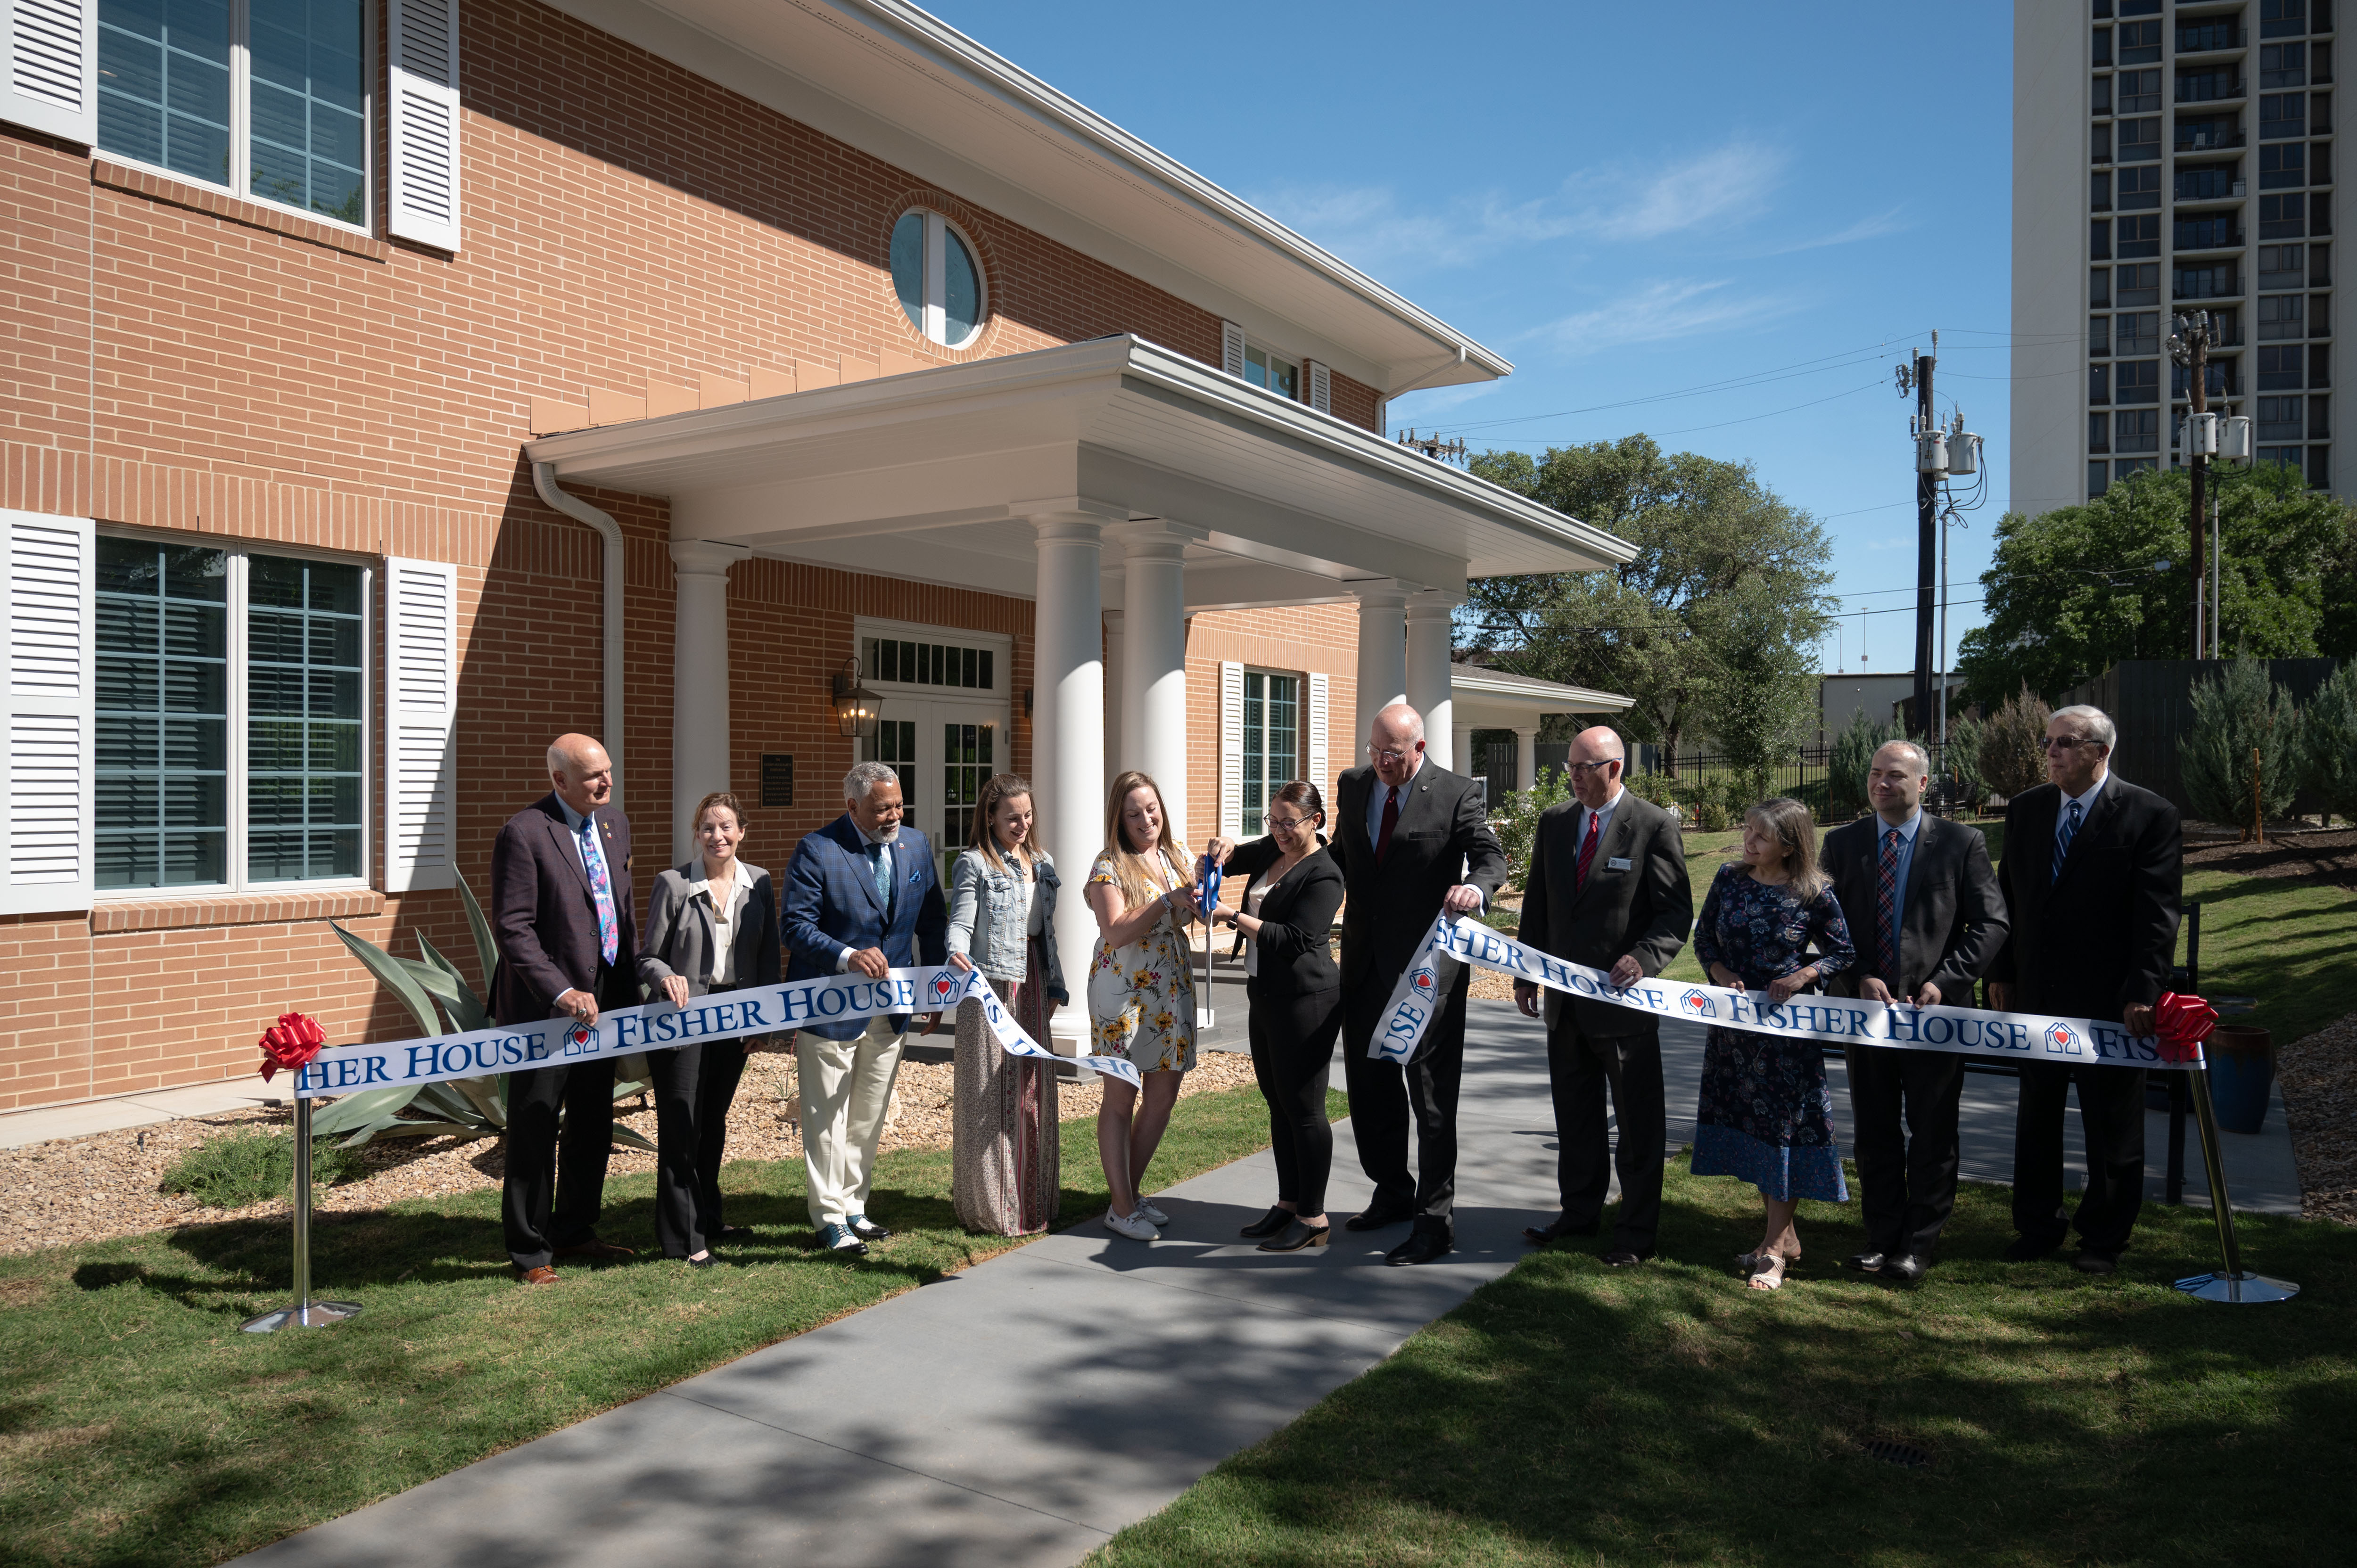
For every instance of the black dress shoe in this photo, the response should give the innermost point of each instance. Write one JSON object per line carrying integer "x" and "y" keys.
{"x": 1377, "y": 1218}
{"x": 866, "y": 1229}
{"x": 1904, "y": 1267}
{"x": 1426, "y": 1243}
{"x": 733, "y": 1233}
{"x": 1621, "y": 1257}
{"x": 706, "y": 1261}
{"x": 2094, "y": 1261}
{"x": 1557, "y": 1230}
{"x": 1268, "y": 1224}
{"x": 1296, "y": 1237}
{"x": 2029, "y": 1250}
{"x": 1867, "y": 1263}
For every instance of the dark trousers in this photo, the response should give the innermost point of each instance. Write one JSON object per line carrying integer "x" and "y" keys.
{"x": 677, "y": 1079}
{"x": 1293, "y": 1052}
{"x": 1386, "y": 1096}
{"x": 538, "y": 1167}
{"x": 1580, "y": 1068}
{"x": 716, "y": 1091}
{"x": 1903, "y": 1108}
{"x": 2111, "y": 1115}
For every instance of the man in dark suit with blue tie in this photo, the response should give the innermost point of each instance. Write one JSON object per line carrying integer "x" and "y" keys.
{"x": 2093, "y": 871}
{"x": 862, "y": 896}
{"x": 563, "y": 922}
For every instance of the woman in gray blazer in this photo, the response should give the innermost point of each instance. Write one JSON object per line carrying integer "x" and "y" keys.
{"x": 711, "y": 925}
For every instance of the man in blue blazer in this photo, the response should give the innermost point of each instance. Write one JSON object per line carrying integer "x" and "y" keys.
{"x": 861, "y": 896}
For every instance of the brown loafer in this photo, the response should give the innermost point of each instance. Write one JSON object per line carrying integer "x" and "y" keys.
{"x": 542, "y": 1275}
{"x": 596, "y": 1251}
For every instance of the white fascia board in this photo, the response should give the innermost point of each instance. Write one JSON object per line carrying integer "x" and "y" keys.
{"x": 1498, "y": 689}
{"x": 697, "y": 47}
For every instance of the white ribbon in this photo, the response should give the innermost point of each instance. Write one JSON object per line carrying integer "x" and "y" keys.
{"x": 1959, "y": 1031}
{"x": 660, "y": 1026}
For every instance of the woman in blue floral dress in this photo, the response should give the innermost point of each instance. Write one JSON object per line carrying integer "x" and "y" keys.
{"x": 1764, "y": 1113}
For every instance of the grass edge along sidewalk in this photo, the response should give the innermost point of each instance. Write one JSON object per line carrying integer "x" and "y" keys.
{"x": 1568, "y": 1413}
{"x": 137, "y": 1425}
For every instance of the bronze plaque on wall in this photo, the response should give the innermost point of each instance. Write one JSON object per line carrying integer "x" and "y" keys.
{"x": 776, "y": 779}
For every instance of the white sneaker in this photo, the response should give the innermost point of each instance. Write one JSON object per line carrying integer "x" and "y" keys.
{"x": 1150, "y": 1214}
{"x": 1136, "y": 1227}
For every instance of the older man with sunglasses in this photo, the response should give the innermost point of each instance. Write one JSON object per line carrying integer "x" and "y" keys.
{"x": 2092, "y": 876}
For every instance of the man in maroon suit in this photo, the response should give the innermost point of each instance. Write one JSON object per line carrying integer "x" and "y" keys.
{"x": 562, "y": 916}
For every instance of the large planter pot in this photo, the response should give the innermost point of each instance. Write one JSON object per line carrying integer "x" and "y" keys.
{"x": 2242, "y": 1059}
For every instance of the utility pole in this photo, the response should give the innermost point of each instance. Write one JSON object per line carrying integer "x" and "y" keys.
{"x": 2188, "y": 346}
{"x": 1927, "y": 535}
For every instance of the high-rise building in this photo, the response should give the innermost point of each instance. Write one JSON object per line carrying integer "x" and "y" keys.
{"x": 2170, "y": 155}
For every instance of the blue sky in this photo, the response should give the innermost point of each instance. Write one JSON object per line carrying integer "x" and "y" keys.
{"x": 1627, "y": 201}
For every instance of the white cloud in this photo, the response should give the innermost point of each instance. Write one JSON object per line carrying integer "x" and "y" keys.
{"x": 1872, "y": 228}
{"x": 1367, "y": 226}
{"x": 1676, "y": 307}
{"x": 1724, "y": 187}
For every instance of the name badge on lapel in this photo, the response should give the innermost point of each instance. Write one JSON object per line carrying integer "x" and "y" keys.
{"x": 1616, "y": 863}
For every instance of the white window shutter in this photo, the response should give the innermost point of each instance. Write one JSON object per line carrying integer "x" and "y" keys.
{"x": 1318, "y": 774}
{"x": 424, "y": 177}
{"x": 48, "y": 67}
{"x": 421, "y": 754}
{"x": 1321, "y": 386}
{"x": 1231, "y": 749}
{"x": 1231, "y": 348}
{"x": 48, "y": 573}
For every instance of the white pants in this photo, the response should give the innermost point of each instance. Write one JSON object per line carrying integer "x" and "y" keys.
{"x": 846, "y": 1087}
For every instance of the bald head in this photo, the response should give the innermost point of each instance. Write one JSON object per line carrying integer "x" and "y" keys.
{"x": 581, "y": 772}
{"x": 1396, "y": 743}
{"x": 1596, "y": 759}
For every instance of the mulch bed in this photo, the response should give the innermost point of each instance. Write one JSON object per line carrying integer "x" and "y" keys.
{"x": 2317, "y": 1076}
{"x": 2324, "y": 858}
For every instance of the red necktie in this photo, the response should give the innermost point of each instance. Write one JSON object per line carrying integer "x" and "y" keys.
{"x": 1587, "y": 853}
{"x": 1391, "y": 821}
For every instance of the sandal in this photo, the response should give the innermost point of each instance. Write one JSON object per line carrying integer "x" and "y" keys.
{"x": 1770, "y": 1275}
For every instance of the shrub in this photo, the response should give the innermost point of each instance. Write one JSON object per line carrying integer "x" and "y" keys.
{"x": 1854, "y": 750}
{"x": 1652, "y": 787}
{"x": 1960, "y": 760}
{"x": 1520, "y": 829}
{"x": 2013, "y": 745}
{"x": 2236, "y": 712}
{"x": 237, "y": 1170}
{"x": 2329, "y": 725}
{"x": 1710, "y": 813}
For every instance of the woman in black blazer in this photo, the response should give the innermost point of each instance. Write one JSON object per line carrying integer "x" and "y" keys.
{"x": 711, "y": 925}
{"x": 1287, "y": 915}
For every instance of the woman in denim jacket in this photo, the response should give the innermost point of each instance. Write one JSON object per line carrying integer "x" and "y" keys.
{"x": 1005, "y": 1172}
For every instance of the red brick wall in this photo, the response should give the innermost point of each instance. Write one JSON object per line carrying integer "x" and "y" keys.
{"x": 1304, "y": 637}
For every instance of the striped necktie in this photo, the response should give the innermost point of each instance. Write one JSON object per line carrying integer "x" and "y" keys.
{"x": 1886, "y": 907}
{"x": 2069, "y": 830}
{"x": 1587, "y": 854}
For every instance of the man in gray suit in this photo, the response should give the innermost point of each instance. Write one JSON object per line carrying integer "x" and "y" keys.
{"x": 1605, "y": 887}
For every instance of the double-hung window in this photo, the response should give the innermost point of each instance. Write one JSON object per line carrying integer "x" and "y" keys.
{"x": 231, "y": 722}
{"x": 1272, "y": 742}
{"x": 266, "y": 98}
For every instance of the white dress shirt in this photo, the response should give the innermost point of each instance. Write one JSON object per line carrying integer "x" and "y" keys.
{"x": 724, "y": 926}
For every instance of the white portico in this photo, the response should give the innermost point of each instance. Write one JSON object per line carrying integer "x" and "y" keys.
{"x": 1106, "y": 476}
{"x": 1498, "y": 699}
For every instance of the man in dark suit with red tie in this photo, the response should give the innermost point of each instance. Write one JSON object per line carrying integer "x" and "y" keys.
{"x": 563, "y": 918}
{"x": 2093, "y": 871}
{"x": 1607, "y": 888}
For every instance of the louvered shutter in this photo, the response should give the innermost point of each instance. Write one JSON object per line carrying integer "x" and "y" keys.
{"x": 1231, "y": 348}
{"x": 47, "y": 695}
{"x": 1321, "y": 386}
{"x": 48, "y": 67}
{"x": 1231, "y": 749}
{"x": 421, "y": 754}
{"x": 1318, "y": 774}
{"x": 424, "y": 177}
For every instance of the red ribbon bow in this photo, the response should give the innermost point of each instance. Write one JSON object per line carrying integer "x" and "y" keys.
{"x": 2181, "y": 1024}
{"x": 291, "y": 1043}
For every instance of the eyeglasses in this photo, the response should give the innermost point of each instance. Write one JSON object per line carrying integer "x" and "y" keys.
{"x": 2068, "y": 742}
{"x": 1389, "y": 756}
{"x": 1580, "y": 769}
{"x": 1289, "y": 823}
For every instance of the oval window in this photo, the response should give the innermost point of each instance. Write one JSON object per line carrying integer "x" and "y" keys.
{"x": 937, "y": 278}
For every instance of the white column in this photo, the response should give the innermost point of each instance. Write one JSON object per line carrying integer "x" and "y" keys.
{"x": 1460, "y": 746}
{"x": 1117, "y": 711}
{"x": 1154, "y": 662}
{"x": 1383, "y": 660}
{"x": 1429, "y": 634}
{"x": 1068, "y": 742}
{"x": 1526, "y": 757}
{"x": 699, "y": 675}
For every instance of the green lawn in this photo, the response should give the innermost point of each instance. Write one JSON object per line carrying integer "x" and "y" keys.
{"x": 1571, "y": 1414}
{"x": 137, "y": 1425}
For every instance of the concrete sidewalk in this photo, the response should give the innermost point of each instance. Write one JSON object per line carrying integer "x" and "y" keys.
{"x": 21, "y": 1128}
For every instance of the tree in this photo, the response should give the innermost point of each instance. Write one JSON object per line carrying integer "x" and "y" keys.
{"x": 1960, "y": 760}
{"x": 2074, "y": 591}
{"x": 2013, "y": 745}
{"x": 1705, "y": 627}
{"x": 2330, "y": 728}
{"x": 1853, "y": 759}
{"x": 2236, "y": 713}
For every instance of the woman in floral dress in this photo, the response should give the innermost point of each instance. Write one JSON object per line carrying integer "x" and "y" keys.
{"x": 1764, "y": 1113}
{"x": 1141, "y": 995}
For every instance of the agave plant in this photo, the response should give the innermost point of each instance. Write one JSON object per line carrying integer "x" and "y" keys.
{"x": 439, "y": 998}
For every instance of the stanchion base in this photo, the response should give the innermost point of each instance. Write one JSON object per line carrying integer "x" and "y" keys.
{"x": 2237, "y": 1287}
{"x": 317, "y": 1314}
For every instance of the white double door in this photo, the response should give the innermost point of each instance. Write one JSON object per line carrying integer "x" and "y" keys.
{"x": 944, "y": 749}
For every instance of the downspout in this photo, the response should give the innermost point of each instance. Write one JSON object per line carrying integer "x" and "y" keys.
{"x": 543, "y": 480}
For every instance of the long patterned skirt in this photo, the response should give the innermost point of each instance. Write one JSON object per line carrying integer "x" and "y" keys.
{"x": 1006, "y": 1173}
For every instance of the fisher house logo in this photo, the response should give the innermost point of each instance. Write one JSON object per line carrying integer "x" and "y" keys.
{"x": 1421, "y": 982}
{"x": 942, "y": 987}
{"x": 1698, "y": 1004}
{"x": 2062, "y": 1040}
{"x": 579, "y": 1039}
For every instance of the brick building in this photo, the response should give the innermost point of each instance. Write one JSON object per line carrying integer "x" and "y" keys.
{"x": 388, "y": 387}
